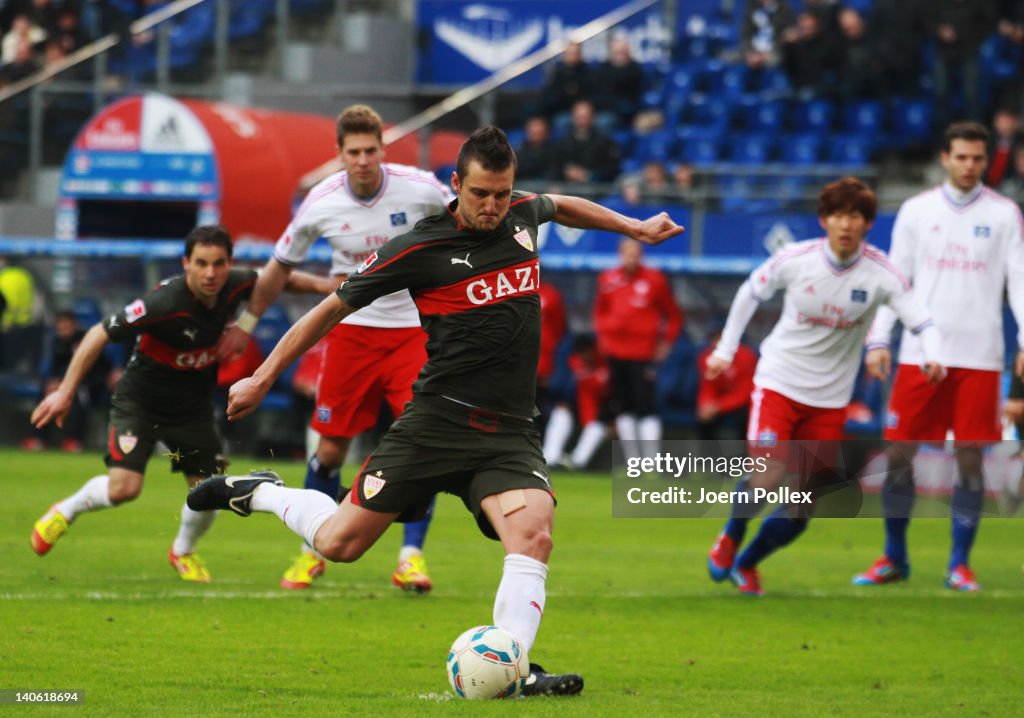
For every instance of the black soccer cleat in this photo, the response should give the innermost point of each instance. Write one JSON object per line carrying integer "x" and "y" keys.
{"x": 229, "y": 492}
{"x": 542, "y": 683}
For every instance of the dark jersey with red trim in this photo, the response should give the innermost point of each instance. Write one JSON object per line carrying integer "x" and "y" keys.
{"x": 172, "y": 371}
{"x": 477, "y": 295}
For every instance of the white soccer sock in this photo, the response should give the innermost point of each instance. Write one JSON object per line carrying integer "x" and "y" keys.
{"x": 306, "y": 548}
{"x": 519, "y": 603}
{"x": 193, "y": 525}
{"x": 406, "y": 552}
{"x": 590, "y": 439}
{"x": 649, "y": 430}
{"x": 93, "y": 496}
{"x": 557, "y": 433}
{"x": 625, "y": 427}
{"x": 302, "y": 510}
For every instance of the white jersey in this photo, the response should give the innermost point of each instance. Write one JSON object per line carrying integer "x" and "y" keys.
{"x": 356, "y": 227}
{"x": 814, "y": 351}
{"x": 959, "y": 252}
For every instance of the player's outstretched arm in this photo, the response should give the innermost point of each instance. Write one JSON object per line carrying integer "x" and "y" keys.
{"x": 269, "y": 285}
{"x": 57, "y": 404}
{"x": 306, "y": 283}
{"x": 245, "y": 395}
{"x": 584, "y": 214}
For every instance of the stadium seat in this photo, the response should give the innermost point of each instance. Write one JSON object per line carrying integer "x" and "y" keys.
{"x": 813, "y": 115}
{"x": 657, "y": 146}
{"x": 772, "y": 82}
{"x": 733, "y": 80}
{"x": 87, "y": 312}
{"x": 864, "y": 117}
{"x": 850, "y": 150}
{"x": 273, "y": 325}
{"x": 701, "y": 150}
{"x": 911, "y": 121}
{"x": 801, "y": 149}
{"x": 761, "y": 115}
{"x": 752, "y": 149}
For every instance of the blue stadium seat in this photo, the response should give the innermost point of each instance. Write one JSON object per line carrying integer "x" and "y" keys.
{"x": 864, "y": 117}
{"x": 87, "y": 312}
{"x": 752, "y": 149}
{"x": 657, "y": 145}
{"x": 701, "y": 150}
{"x": 763, "y": 115}
{"x": 801, "y": 149}
{"x": 733, "y": 80}
{"x": 773, "y": 82}
{"x": 911, "y": 121}
{"x": 273, "y": 324}
{"x": 682, "y": 81}
{"x": 813, "y": 115}
{"x": 850, "y": 150}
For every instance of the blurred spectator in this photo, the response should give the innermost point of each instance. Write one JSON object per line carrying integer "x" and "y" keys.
{"x": 22, "y": 31}
{"x": 764, "y": 22}
{"x": 897, "y": 30}
{"x": 304, "y": 388}
{"x": 651, "y": 185}
{"x": 570, "y": 81}
{"x": 684, "y": 181}
{"x": 959, "y": 27}
{"x": 535, "y": 157}
{"x": 552, "y": 329}
{"x": 1013, "y": 186}
{"x": 810, "y": 59}
{"x": 636, "y": 320}
{"x": 24, "y": 64}
{"x": 586, "y": 154}
{"x": 1006, "y": 137}
{"x": 94, "y": 390}
{"x": 859, "y": 66}
{"x": 68, "y": 32}
{"x": 590, "y": 371}
{"x": 20, "y": 323}
{"x": 619, "y": 90}
{"x": 1010, "y": 26}
{"x": 43, "y": 13}
{"x": 726, "y": 398}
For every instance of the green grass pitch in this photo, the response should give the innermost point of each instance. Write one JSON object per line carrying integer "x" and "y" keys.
{"x": 629, "y": 606}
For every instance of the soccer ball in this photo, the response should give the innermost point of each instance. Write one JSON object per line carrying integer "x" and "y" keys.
{"x": 487, "y": 662}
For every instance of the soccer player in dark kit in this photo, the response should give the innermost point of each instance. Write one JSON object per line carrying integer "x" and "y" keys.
{"x": 474, "y": 274}
{"x": 166, "y": 391}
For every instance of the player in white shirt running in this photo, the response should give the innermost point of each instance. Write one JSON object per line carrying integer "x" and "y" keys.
{"x": 375, "y": 354}
{"x": 808, "y": 366}
{"x": 960, "y": 245}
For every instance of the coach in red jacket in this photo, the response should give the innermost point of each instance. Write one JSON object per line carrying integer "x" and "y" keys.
{"x": 636, "y": 320}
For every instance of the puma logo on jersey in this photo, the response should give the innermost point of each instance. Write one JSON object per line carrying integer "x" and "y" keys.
{"x": 456, "y": 260}
{"x": 190, "y": 333}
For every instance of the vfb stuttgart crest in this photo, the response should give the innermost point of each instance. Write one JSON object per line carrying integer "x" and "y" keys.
{"x": 372, "y": 485}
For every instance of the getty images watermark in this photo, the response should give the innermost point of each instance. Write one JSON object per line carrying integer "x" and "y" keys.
{"x": 690, "y": 479}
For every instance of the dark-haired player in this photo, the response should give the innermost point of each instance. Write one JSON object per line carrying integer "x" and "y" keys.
{"x": 808, "y": 366}
{"x": 474, "y": 273}
{"x": 165, "y": 393}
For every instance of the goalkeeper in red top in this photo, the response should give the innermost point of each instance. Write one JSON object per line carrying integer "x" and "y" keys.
{"x": 636, "y": 320}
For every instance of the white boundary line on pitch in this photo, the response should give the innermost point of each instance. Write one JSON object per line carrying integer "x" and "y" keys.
{"x": 213, "y": 594}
